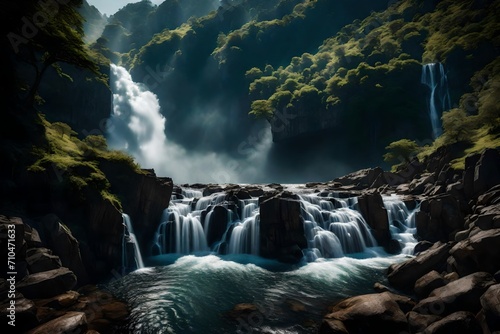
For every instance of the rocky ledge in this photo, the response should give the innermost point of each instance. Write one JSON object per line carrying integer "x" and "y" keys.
{"x": 45, "y": 292}
{"x": 452, "y": 284}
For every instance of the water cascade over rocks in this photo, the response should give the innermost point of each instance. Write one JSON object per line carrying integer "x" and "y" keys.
{"x": 221, "y": 223}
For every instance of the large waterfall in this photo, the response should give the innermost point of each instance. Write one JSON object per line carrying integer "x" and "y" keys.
{"x": 434, "y": 77}
{"x": 137, "y": 126}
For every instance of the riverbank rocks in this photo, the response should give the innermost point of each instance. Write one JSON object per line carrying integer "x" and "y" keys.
{"x": 281, "y": 228}
{"x": 460, "y": 295}
{"x": 482, "y": 172}
{"x": 47, "y": 283}
{"x": 373, "y": 313}
{"x": 439, "y": 218}
{"x": 60, "y": 239}
{"x": 430, "y": 281}
{"x": 404, "y": 275}
{"x": 456, "y": 323}
{"x": 479, "y": 252}
{"x": 490, "y": 301}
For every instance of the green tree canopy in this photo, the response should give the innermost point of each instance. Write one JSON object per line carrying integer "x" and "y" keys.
{"x": 401, "y": 150}
{"x": 42, "y": 33}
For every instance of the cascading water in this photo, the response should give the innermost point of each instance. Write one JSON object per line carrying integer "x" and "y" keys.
{"x": 333, "y": 228}
{"x": 130, "y": 245}
{"x": 196, "y": 224}
{"x": 207, "y": 247}
{"x": 434, "y": 76}
{"x": 401, "y": 222}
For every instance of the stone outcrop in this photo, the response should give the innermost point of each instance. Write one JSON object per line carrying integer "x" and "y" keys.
{"x": 281, "y": 228}
{"x": 405, "y": 275}
{"x": 374, "y": 313}
{"x": 460, "y": 295}
{"x": 373, "y": 211}
{"x": 439, "y": 218}
{"x": 47, "y": 283}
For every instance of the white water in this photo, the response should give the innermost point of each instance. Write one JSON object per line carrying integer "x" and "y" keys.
{"x": 183, "y": 230}
{"x": 401, "y": 223}
{"x": 334, "y": 231}
{"x": 137, "y": 126}
{"x": 434, "y": 77}
{"x": 129, "y": 237}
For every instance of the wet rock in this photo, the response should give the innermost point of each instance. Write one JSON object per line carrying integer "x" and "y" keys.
{"x": 456, "y": 323}
{"x": 47, "y": 284}
{"x": 281, "y": 229}
{"x": 71, "y": 322}
{"x": 490, "y": 301}
{"x": 460, "y": 295}
{"x": 243, "y": 310}
{"x": 373, "y": 313}
{"x": 430, "y": 281}
{"x": 480, "y": 252}
{"x": 404, "y": 275}
{"x": 422, "y": 246}
{"x": 332, "y": 326}
{"x": 371, "y": 207}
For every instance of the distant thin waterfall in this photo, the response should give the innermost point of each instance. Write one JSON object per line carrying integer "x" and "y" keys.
{"x": 130, "y": 247}
{"x": 434, "y": 77}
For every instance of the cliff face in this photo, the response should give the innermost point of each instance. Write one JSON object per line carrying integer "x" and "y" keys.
{"x": 84, "y": 102}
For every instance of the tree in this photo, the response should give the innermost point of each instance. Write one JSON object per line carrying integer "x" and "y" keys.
{"x": 457, "y": 126}
{"x": 43, "y": 33}
{"x": 403, "y": 149}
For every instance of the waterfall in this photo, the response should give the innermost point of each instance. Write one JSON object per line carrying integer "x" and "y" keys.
{"x": 401, "y": 222}
{"x": 333, "y": 227}
{"x": 130, "y": 247}
{"x": 191, "y": 225}
{"x": 434, "y": 76}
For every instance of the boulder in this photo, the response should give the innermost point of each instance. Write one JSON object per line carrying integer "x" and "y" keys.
{"x": 422, "y": 246}
{"x": 47, "y": 284}
{"x": 480, "y": 252}
{"x": 456, "y": 323}
{"x": 487, "y": 171}
{"x": 460, "y": 295}
{"x": 71, "y": 322}
{"x": 64, "y": 244}
{"x": 243, "y": 310}
{"x": 60, "y": 301}
{"x": 439, "y": 218}
{"x": 332, "y": 326}
{"x": 41, "y": 259}
{"x": 371, "y": 206}
{"x": 418, "y": 322}
{"x": 430, "y": 281}
{"x": 404, "y": 275}
{"x": 281, "y": 229}
{"x": 490, "y": 301}
{"x": 31, "y": 237}
{"x": 373, "y": 313}
{"x": 361, "y": 179}
{"x": 25, "y": 313}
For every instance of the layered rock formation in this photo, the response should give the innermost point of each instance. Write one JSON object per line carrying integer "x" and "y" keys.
{"x": 42, "y": 289}
{"x": 454, "y": 278}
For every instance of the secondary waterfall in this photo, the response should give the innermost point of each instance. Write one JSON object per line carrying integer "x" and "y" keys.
{"x": 196, "y": 224}
{"x": 401, "y": 222}
{"x": 434, "y": 77}
{"x": 131, "y": 253}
